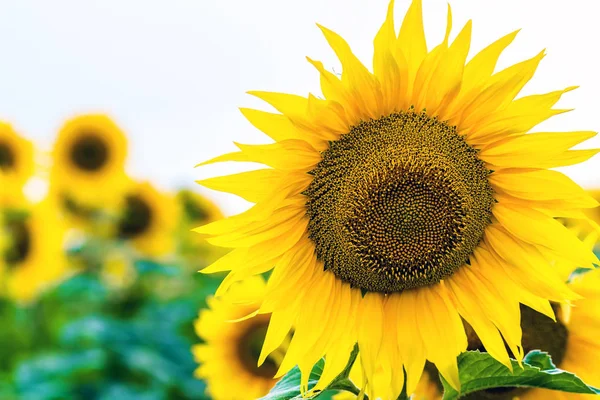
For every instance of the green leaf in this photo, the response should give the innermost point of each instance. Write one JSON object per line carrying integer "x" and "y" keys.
{"x": 480, "y": 371}
{"x": 288, "y": 388}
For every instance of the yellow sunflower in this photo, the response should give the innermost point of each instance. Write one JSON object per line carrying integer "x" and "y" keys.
{"x": 594, "y": 213}
{"x": 571, "y": 340}
{"x": 33, "y": 255}
{"x": 402, "y": 200}
{"x": 198, "y": 209}
{"x": 229, "y": 356}
{"x": 89, "y": 156}
{"x": 16, "y": 164}
{"x": 148, "y": 220}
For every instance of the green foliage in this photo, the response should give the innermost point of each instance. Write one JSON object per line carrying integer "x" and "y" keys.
{"x": 88, "y": 339}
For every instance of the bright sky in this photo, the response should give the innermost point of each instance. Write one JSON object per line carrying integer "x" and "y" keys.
{"x": 173, "y": 73}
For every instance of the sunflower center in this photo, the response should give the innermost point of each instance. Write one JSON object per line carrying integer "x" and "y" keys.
{"x": 397, "y": 203}
{"x": 89, "y": 152}
{"x": 136, "y": 219}
{"x": 19, "y": 242}
{"x": 7, "y": 156}
{"x": 249, "y": 347}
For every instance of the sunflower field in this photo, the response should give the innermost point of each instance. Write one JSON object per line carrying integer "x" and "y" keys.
{"x": 409, "y": 238}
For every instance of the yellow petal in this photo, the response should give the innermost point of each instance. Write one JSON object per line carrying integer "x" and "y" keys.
{"x": 253, "y": 186}
{"x": 370, "y": 330}
{"x": 277, "y": 126}
{"x": 547, "y": 143}
{"x": 535, "y": 227}
{"x": 288, "y": 154}
{"x": 384, "y": 43}
{"x": 444, "y": 334}
{"x": 537, "y": 185}
{"x": 236, "y": 156}
{"x": 469, "y": 306}
{"x": 447, "y": 79}
{"x": 412, "y": 356}
{"x": 482, "y": 65}
{"x": 500, "y": 90}
{"x": 411, "y": 39}
{"x": 520, "y": 116}
{"x": 355, "y": 76}
{"x": 567, "y": 158}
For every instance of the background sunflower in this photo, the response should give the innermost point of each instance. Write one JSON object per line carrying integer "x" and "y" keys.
{"x": 33, "y": 256}
{"x": 231, "y": 348}
{"x": 148, "y": 219}
{"x": 88, "y": 157}
{"x": 16, "y": 164}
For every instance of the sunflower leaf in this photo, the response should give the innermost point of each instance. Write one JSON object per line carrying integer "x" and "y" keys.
{"x": 288, "y": 388}
{"x": 480, "y": 371}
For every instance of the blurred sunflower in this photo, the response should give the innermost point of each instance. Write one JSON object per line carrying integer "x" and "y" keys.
{"x": 89, "y": 156}
{"x": 594, "y": 213}
{"x": 230, "y": 353}
{"x": 403, "y": 200}
{"x": 33, "y": 255}
{"x": 16, "y": 164}
{"x": 197, "y": 209}
{"x": 148, "y": 219}
{"x": 571, "y": 340}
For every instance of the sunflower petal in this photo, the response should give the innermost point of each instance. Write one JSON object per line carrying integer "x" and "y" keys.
{"x": 355, "y": 76}
{"x": 411, "y": 39}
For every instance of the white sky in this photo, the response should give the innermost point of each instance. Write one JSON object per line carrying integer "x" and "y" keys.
{"x": 173, "y": 72}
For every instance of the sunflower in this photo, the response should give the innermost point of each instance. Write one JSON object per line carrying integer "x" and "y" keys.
{"x": 576, "y": 334}
{"x": 32, "y": 256}
{"x": 571, "y": 340}
{"x": 400, "y": 201}
{"x": 16, "y": 164}
{"x": 89, "y": 156}
{"x": 594, "y": 213}
{"x": 197, "y": 209}
{"x": 148, "y": 219}
{"x": 229, "y": 356}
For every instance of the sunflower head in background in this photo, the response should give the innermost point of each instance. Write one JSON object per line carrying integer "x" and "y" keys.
{"x": 32, "y": 256}
{"x": 196, "y": 210}
{"x": 16, "y": 164}
{"x": 593, "y": 215}
{"x": 231, "y": 350}
{"x": 571, "y": 341}
{"x": 402, "y": 201}
{"x": 88, "y": 163}
{"x": 148, "y": 219}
